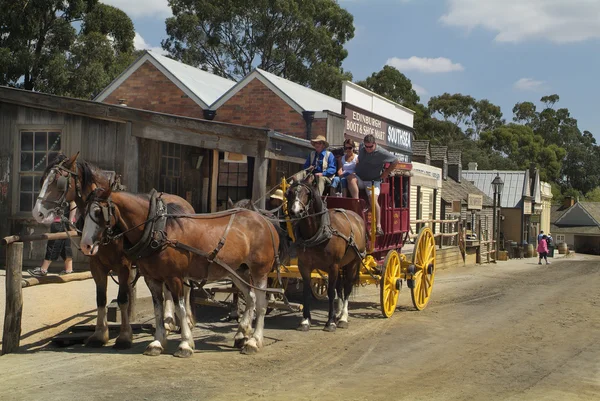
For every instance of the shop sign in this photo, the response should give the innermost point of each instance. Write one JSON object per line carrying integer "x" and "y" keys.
{"x": 527, "y": 207}
{"x": 474, "y": 202}
{"x": 360, "y": 123}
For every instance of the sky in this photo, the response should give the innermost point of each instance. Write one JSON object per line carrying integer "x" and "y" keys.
{"x": 506, "y": 51}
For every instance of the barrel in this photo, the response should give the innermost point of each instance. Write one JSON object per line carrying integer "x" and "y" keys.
{"x": 530, "y": 251}
{"x": 562, "y": 248}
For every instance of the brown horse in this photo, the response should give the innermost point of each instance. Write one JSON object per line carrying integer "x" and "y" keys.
{"x": 191, "y": 246}
{"x": 333, "y": 241}
{"x": 73, "y": 179}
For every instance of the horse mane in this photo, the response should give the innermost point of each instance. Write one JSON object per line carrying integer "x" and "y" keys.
{"x": 91, "y": 173}
{"x": 316, "y": 197}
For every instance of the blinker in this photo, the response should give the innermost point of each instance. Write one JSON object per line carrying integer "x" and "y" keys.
{"x": 62, "y": 183}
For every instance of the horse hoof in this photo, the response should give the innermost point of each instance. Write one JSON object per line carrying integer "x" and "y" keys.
{"x": 303, "y": 327}
{"x": 184, "y": 353}
{"x": 152, "y": 350}
{"x": 122, "y": 344}
{"x": 330, "y": 327}
{"x": 249, "y": 349}
{"x": 240, "y": 343}
{"x": 342, "y": 325}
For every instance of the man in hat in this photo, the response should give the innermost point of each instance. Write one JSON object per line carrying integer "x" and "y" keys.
{"x": 321, "y": 162}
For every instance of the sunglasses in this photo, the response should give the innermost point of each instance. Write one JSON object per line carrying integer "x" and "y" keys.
{"x": 349, "y": 148}
{"x": 369, "y": 146}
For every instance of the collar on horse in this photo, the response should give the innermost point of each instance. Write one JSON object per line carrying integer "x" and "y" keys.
{"x": 154, "y": 237}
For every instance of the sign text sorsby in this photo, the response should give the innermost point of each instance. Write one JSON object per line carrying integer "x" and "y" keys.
{"x": 360, "y": 123}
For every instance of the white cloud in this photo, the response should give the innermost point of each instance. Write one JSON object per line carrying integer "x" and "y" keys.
{"x": 420, "y": 90}
{"x": 140, "y": 44}
{"x": 142, "y": 8}
{"x": 559, "y": 21}
{"x": 529, "y": 84}
{"x": 423, "y": 64}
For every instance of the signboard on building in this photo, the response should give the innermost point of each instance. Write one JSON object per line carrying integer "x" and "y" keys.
{"x": 393, "y": 136}
{"x": 474, "y": 202}
{"x": 456, "y": 206}
{"x": 527, "y": 207}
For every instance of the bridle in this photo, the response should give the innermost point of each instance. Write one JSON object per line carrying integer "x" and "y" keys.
{"x": 108, "y": 212}
{"x": 305, "y": 206}
{"x": 63, "y": 183}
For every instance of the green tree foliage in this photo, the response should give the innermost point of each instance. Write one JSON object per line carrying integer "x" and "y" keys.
{"x": 393, "y": 85}
{"x": 456, "y": 108}
{"x": 300, "y": 40}
{"x": 41, "y": 49}
{"x": 593, "y": 195}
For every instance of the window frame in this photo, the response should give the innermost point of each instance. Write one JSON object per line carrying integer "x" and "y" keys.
{"x": 165, "y": 157}
{"x": 560, "y": 238}
{"x": 16, "y": 162}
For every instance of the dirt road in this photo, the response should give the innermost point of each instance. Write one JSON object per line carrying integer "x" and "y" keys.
{"x": 512, "y": 331}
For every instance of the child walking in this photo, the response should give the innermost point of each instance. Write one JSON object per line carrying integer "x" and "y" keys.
{"x": 542, "y": 249}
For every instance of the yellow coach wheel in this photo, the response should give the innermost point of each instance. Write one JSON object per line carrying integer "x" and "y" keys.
{"x": 424, "y": 269}
{"x": 390, "y": 282}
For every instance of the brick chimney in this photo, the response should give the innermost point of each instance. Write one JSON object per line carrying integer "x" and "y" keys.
{"x": 472, "y": 166}
{"x": 439, "y": 158}
{"x": 568, "y": 202}
{"x": 455, "y": 164}
{"x": 421, "y": 152}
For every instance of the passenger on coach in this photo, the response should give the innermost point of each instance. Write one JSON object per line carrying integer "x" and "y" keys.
{"x": 370, "y": 169}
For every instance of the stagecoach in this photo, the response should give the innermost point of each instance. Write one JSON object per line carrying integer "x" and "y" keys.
{"x": 384, "y": 265}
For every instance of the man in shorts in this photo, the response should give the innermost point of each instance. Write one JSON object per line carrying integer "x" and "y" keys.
{"x": 371, "y": 161}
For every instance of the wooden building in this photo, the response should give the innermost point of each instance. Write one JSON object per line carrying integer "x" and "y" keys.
{"x": 148, "y": 149}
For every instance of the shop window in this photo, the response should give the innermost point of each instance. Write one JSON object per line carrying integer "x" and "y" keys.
{"x": 170, "y": 168}
{"x": 233, "y": 182}
{"x": 37, "y": 148}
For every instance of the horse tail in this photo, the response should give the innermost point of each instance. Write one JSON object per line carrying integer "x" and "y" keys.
{"x": 284, "y": 246}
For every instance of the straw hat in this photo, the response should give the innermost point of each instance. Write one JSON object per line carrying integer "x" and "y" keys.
{"x": 277, "y": 195}
{"x": 320, "y": 138}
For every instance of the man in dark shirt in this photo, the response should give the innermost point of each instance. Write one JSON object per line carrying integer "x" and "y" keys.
{"x": 371, "y": 160}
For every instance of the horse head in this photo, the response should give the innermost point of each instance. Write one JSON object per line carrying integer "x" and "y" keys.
{"x": 101, "y": 216}
{"x": 302, "y": 200}
{"x": 59, "y": 187}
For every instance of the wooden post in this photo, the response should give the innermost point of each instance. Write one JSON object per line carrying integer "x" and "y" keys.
{"x": 214, "y": 181}
{"x": 261, "y": 165}
{"x": 14, "y": 299}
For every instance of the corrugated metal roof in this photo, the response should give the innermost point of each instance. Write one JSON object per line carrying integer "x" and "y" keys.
{"x": 514, "y": 181}
{"x": 453, "y": 191}
{"x": 306, "y": 98}
{"x": 208, "y": 87}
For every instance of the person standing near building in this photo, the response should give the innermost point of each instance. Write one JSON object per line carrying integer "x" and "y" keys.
{"x": 370, "y": 172}
{"x": 540, "y": 235}
{"x": 58, "y": 247}
{"x": 542, "y": 249}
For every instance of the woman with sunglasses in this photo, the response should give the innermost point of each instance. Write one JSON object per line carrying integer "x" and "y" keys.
{"x": 347, "y": 167}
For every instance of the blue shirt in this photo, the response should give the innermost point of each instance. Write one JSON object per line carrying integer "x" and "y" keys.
{"x": 331, "y": 164}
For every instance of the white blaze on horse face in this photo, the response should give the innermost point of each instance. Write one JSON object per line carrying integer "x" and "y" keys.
{"x": 39, "y": 212}
{"x": 297, "y": 207}
{"x": 90, "y": 236}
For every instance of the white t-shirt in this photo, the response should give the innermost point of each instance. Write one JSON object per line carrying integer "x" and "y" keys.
{"x": 349, "y": 167}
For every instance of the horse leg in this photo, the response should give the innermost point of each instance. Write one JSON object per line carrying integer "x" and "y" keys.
{"x": 256, "y": 341}
{"x": 186, "y": 346}
{"x": 245, "y": 324}
{"x": 190, "y": 318}
{"x": 338, "y": 305}
{"x": 125, "y": 338}
{"x": 349, "y": 279}
{"x": 306, "y": 298}
{"x": 100, "y": 336}
{"x": 169, "y": 318}
{"x": 156, "y": 347}
{"x": 333, "y": 279}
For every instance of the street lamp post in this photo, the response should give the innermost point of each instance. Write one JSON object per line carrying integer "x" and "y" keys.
{"x": 498, "y": 185}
